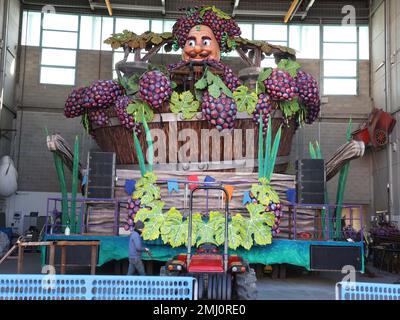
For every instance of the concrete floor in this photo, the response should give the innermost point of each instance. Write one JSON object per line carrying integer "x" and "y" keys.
{"x": 298, "y": 285}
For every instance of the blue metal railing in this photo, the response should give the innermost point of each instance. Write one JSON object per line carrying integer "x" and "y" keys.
{"x": 85, "y": 287}
{"x": 367, "y": 291}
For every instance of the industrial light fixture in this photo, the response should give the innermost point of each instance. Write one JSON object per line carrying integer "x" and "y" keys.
{"x": 109, "y": 8}
{"x": 292, "y": 10}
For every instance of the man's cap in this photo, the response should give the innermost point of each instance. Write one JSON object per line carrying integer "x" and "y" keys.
{"x": 139, "y": 225}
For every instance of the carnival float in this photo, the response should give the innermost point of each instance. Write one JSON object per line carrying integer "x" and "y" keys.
{"x": 201, "y": 92}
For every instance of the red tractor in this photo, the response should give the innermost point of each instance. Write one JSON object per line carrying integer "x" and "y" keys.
{"x": 219, "y": 275}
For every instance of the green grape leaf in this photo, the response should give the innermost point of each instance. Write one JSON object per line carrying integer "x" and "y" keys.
{"x": 139, "y": 110}
{"x": 231, "y": 43}
{"x": 257, "y": 226}
{"x": 260, "y": 87}
{"x": 205, "y": 233}
{"x": 217, "y": 223}
{"x": 214, "y": 91}
{"x": 155, "y": 220}
{"x": 264, "y": 193}
{"x": 173, "y": 85}
{"x": 220, "y": 13}
{"x": 146, "y": 190}
{"x": 201, "y": 84}
{"x": 166, "y": 35}
{"x": 290, "y": 108}
{"x": 245, "y": 100}
{"x": 290, "y": 66}
{"x": 234, "y": 231}
{"x": 184, "y": 103}
{"x": 156, "y": 39}
{"x": 265, "y": 74}
{"x": 131, "y": 84}
{"x": 218, "y": 82}
{"x": 174, "y": 230}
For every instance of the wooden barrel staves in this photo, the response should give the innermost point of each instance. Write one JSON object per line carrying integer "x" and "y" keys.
{"x": 200, "y": 148}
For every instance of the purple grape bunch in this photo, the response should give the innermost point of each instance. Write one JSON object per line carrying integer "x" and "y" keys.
{"x": 74, "y": 104}
{"x": 98, "y": 117}
{"x": 154, "y": 88}
{"x": 308, "y": 95}
{"x": 228, "y": 77}
{"x": 127, "y": 120}
{"x": 280, "y": 86}
{"x": 102, "y": 94}
{"x": 219, "y": 112}
{"x": 276, "y": 209}
{"x": 263, "y": 109}
{"x": 133, "y": 206}
{"x": 222, "y": 28}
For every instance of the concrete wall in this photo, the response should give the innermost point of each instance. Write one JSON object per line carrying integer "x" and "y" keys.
{"x": 9, "y": 11}
{"x": 385, "y": 75}
{"x": 331, "y": 130}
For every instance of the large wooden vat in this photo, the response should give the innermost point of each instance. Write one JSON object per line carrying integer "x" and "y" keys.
{"x": 238, "y": 149}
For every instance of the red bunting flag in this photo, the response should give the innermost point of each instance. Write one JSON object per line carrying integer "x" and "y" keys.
{"x": 193, "y": 179}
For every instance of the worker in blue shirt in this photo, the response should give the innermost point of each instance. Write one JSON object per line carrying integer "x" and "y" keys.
{"x": 135, "y": 251}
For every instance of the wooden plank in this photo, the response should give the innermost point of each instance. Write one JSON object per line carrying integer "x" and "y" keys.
{"x": 93, "y": 262}
{"x": 77, "y": 243}
{"x": 9, "y": 252}
{"x": 52, "y": 251}
{"x": 35, "y": 244}
{"x": 20, "y": 259}
{"x": 63, "y": 259}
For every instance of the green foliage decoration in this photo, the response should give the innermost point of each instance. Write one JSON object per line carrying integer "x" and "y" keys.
{"x": 245, "y": 99}
{"x": 185, "y": 104}
{"x": 172, "y": 227}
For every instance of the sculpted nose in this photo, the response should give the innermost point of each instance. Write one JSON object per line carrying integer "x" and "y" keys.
{"x": 197, "y": 49}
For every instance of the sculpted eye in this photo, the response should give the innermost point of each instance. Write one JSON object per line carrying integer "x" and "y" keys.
{"x": 192, "y": 43}
{"x": 206, "y": 42}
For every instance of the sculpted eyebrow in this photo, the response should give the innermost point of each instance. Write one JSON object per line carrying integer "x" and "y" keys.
{"x": 205, "y": 38}
{"x": 191, "y": 38}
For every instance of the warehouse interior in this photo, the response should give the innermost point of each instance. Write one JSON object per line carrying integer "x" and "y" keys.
{"x": 49, "y": 48}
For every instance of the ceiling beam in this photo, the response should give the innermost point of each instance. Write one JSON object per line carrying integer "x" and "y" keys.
{"x": 128, "y": 7}
{"x": 309, "y": 6}
{"x": 294, "y": 7}
{"x": 163, "y": 5}
{"x": 235, "y": 6}
{"x": 264, "y": 13}
{"x": 109, "y": 8}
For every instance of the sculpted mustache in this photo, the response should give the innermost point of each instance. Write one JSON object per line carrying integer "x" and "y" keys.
{"x": 203, "y": 54}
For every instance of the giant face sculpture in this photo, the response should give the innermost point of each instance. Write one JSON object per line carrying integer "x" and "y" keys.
{"x": 201, "y": 44}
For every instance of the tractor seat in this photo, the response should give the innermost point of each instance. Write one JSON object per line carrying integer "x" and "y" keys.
{"x": 206, "y": 263}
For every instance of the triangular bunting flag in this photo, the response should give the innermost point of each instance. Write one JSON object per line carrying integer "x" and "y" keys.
{"x": 209, "y": 179}
{"x": 246, "y": 197}
{"x": 229, "y": 189}
{"x": 193, "y": 179}
{"x": 173, "y": 185}
{"x": 130, "y": 186}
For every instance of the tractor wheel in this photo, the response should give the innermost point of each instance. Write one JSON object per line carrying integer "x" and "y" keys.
{"x": 212, "y": 291}
{"x": 245, "y": 285}
{"x": 210, "y": 287}
{"x": 226, "y": 287}
{"x": 220, "y": 284}
{"x": 201, "y": 286}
